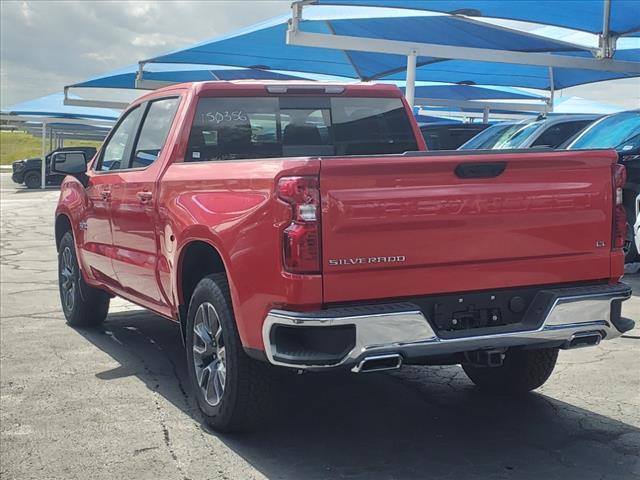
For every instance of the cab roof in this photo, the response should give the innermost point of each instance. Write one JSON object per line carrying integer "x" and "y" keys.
{"x": 279, "y": 87}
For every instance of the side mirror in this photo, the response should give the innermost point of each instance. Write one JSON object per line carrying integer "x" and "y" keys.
{"x": 70, "y": 163}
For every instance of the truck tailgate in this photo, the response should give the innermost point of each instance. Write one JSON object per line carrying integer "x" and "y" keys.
{"x": 397, "y": 226}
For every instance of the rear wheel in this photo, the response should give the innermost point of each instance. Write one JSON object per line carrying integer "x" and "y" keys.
{"x": 32, "y": 180}
{"x": 233, "y": 391}
{"x": 521, "y": 371}
{"x": 83, "y": 306}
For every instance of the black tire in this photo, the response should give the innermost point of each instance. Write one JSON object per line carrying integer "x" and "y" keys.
{"x": 32, "y": 180}
{"x": 522, "y": 371}
{"x": 83, "y": 306}
{"x": 246, "y": 396}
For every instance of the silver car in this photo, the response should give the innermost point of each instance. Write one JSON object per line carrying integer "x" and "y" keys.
{"x": 549, "y": 132}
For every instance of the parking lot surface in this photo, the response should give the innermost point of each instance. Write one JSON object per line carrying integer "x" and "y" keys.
{"x": 114, "y": 403}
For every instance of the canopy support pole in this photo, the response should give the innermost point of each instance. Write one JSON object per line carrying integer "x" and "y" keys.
{"x": 552, "y": 89}
{"x": 43, "y": 167}
{"x": 485, "y": 115}
{"x": 140, "y": 73}
{"x": 606, "y": 41}
{"x": 410, "y": 89}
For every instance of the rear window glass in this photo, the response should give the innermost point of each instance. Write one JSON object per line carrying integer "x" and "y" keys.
{"x": 264, "y": 127}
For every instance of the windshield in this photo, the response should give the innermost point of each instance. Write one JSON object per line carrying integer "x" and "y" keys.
{"x": 516, "y": 137}
{"x": 488, "y": 138}
{"x": 610, "y": 132}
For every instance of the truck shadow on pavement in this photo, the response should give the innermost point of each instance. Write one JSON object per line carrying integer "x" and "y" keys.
{"x": 416, "y": 423}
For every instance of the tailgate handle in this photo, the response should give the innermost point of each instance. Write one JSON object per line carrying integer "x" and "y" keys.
{"x": 480, "y": 170}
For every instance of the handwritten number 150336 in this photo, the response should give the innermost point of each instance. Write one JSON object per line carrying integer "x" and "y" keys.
{"x": 224, "y": 116}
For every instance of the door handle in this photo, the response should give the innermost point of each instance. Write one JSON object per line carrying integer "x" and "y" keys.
{"x": 480, "y": 170}
{"x": 144, "y": 196}
{"x": 106, "y": 195}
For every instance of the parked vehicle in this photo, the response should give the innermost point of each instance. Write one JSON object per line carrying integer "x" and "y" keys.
{"x": 549, "y": 132}
{"x": 486, "y": 139}
{"x": 29, "y": 171}
{"x": 621, "y": 132}
{"x": 449, "y": 136}
{"x": 303, "y": 226}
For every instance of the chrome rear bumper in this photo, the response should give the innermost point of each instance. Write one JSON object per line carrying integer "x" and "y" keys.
{"x": 401, "y": 328}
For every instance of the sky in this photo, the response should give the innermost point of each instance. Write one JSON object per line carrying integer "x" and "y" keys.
{"x": 45, "y": 45}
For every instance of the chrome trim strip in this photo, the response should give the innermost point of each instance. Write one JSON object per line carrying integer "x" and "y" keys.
{"x": 574, "y": 312}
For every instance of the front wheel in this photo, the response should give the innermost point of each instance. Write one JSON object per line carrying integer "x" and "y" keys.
{"x": 83, "y": 306}
{"x": 32, "y": 180}
{"x": 232, "y": 390}
{"x": 521, "y": 371}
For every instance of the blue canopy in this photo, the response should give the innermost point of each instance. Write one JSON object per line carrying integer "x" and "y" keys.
{"x": 583, "y": 15}
{"x": 470, "y": 92}
{"x": 264, "y": 46}
{"x": 529, "y": 76}
{"x": 177, "y": 73}
{"x": 126, "y": 77}
{"x": 53, "y": 106}
{"x": 564, "y": 105}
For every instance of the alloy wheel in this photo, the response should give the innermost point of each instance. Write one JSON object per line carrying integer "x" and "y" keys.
{"x": 209, "y": 354}
{"x": 68, "y": 279}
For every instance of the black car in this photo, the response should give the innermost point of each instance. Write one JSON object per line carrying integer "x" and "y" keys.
{"x": 28, "y": 171}
{"x": 621, "y": 132}
{"x": 450, "y": 136}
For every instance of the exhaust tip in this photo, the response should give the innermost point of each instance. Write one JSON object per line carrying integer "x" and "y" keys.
{"x": 587, "y": 339}
{"x": 378, "y": 363}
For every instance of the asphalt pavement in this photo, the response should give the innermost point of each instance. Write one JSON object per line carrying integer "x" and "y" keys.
{"x": 114, "y": 403}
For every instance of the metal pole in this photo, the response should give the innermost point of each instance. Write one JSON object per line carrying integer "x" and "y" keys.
{"x": 485, "y": 115}
{"x": 552, "y": 89}
{"x": 410, "y": 88}
{"x": 604, "y": 40}
{"x": 43, "y": 168}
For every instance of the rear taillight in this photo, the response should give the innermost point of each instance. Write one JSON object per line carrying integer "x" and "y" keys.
{"x": 301, "y": 239}
{"x": 619, "y": 214}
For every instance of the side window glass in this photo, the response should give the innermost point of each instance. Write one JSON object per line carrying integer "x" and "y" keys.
{"x": 115, "y": 155}
{"x": 557, "y": 134}
{"x": 154, "y": 131}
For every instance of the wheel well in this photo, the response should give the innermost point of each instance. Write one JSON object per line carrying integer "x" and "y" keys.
{"x": 198, "y": 260}
{"x": 63, "y": 225}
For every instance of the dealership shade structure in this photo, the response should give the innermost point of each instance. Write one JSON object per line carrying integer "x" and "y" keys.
{"x": 475, "y": 98}
{"x": 375, "y": 39}
{"x": 48, "y": 114}
{"x": 155, "y": 76}
{"x": 399, "y": 34}
{"x": 578, "y": 105}
{"x": 622, "y": 17}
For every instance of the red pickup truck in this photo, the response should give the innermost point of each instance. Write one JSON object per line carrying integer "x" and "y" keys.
{"x": 302, "y": 225}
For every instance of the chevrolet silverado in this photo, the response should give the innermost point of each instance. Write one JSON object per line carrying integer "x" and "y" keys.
{"x": 304, "y": 226}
